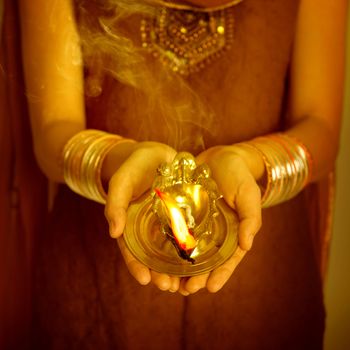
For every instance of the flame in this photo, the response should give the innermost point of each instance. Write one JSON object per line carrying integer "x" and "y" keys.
{"x": 178, "y": 223}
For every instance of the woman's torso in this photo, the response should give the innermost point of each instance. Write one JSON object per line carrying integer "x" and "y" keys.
{"x": 243, "y": 89}
{"x": 274, "y": 298}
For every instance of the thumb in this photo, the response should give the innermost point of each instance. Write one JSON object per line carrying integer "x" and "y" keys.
{"x": 119, "y": 196}
{"x": 248, "y": 207}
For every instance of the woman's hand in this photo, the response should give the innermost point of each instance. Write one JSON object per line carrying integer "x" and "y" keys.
{"x": 235, "y": 171}
{"x": 135, "y": 176}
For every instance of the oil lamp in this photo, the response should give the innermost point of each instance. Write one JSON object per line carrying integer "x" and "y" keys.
{"x": 183, "y": 227}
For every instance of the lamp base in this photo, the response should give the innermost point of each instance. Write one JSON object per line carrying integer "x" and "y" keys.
{"x": 151, "y": 247}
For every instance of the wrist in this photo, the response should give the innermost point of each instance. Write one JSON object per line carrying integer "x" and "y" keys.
{"x": 252, "y": 158}
{"x": 288, "y": 167}
{"x": 123, "y": 150}
{"x": 83, "y": 158}
{"x": 115, "y": 158}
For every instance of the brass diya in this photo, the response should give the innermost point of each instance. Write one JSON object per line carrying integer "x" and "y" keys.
{"x": 184, "y": 227}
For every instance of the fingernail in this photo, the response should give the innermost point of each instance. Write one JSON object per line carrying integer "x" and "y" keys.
{"x": 112, "y": 229}
{"x": 144, "y": 281}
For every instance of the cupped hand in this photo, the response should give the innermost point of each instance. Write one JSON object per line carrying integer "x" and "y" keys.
{"x": 232, "y": 170}
{"x": 130, "y": 181}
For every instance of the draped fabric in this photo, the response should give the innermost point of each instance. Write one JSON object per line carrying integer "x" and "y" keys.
{"x": 84, "y": 296}
{"x": 22, "y": 192}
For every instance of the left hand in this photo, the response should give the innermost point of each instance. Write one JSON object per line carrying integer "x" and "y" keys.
{"x": 232, "y": 169}
{"x": 127, "y": 180}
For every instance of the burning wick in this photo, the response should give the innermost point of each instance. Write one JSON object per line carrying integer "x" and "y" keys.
{"x": 182, "y": 235}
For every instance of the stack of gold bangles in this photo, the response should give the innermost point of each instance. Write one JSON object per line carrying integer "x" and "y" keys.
{"x": 288, "y": 167}
{"x": 287, "y": 161}
{"x": 83, "y": 156}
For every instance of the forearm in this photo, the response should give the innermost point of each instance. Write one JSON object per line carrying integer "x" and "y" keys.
{"x": 50, "y": 143}
{"x": 48, "y": 146}
{"x": 53, "y": 71}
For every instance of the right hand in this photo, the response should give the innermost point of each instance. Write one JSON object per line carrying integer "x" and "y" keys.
{"x": 133, "y": 178}
{"x": 235, "y": 171}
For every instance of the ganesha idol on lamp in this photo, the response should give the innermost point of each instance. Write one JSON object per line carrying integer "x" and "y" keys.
{"x": 183, "y": 227}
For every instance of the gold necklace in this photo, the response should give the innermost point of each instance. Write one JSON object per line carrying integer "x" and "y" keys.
{"x": 186, "y": 40}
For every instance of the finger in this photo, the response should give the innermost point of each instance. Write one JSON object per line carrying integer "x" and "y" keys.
{"x": 161, "y": 280}
{"x": 174, "y": 284}
{"x": 182, "y": 288}
{"x": 120, "y": 192}
{"x": 194, "y": 284}
{"x": 248, "y": 207}
{"x": 204, "y": 156}
{"x": 139, "y": 271}
{"x": 131, "y": 180}
{"x": 220, "y": 276}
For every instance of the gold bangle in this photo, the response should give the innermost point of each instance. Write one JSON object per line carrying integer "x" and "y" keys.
{"x": 83, "y": 157}
{"x": 72, "y": 157}
{"x": 266, "y": 187}
{"x": 91, "y": 166}
{"x": 303, "y": 152}
{"x": 281, "y": 167}
{"x": 288, "y": 167}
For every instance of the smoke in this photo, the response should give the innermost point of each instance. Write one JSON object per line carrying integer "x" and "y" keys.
{"x": 167, "y": 99}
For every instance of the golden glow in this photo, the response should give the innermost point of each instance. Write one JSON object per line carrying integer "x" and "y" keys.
{"x": 220, "y": 30}
{"x": 183, "y": 30}
{"x": 178, "y": 223}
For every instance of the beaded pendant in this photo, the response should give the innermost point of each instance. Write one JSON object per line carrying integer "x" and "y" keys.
{"x": 186, "y": 41}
